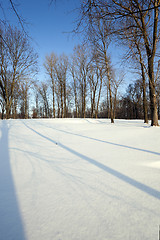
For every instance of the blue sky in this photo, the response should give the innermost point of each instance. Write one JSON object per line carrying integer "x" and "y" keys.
{"x": 49, "y": 26}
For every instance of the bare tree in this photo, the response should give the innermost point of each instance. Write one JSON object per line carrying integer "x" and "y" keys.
{"x": 82, "y": 63}
{"x": 61, "y": 68}
{"x": 96, "y": 77}
{"x": 132, "y": 14}
{"x": 50, "y": 63}
{"x": 24, "y": 91}
{"x": 16, "y": 100}
{"x": 93, "y": 83}
{"x": 57, "y": 67}
{"x": 87, "y": 75}
{"x": 16, "y": 63}
{"x": 42, "y": 89}
{"x": 136, "y": 52}
{"x": 74, "y": 84}
{"x": 63, "y": 64}
{"x": 99, "y": 33}
{"x": 116, "y": 83}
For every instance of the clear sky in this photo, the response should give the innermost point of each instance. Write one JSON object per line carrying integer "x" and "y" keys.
{"x": 49, "y": 26}
{"x": 49, "y": 22}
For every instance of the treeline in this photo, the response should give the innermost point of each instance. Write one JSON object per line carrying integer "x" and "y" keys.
{"x": 126, "y": 106}
{"x": 77, "y": 85}
{"x": 86, "y": 84}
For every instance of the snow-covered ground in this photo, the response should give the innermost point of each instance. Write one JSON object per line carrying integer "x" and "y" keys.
{"x": 79, "y": 179}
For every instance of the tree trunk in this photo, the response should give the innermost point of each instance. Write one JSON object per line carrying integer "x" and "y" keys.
{"x": 61, "y": 87}
{"x": 145, "y": 108}
{"x": 108, "y": 115}
{"x": 2, "y": 113}
{"x": 111, "y": 107}
{"x": 65, "y": 106}
{"x": 8, "y": 109}
{"x": 58, "y": 109}
{"x": 53, "y": 92}
{"x": 152, "y": 91}
{"x": 151, "y": 55}
{"x": 26, "y": 104}
{"x": 99, "y": 96}
{"x": 109, "y": 88}
{"x": 93, "y": 100}
{"x": 153, "y": 106}
{"x": 84, "y": 101}
{"x": 158, "y": 108}
{"x": 37, "y": 106}
{"x": 75, "y": 98}
{"x": 14, "y": 109}
{"x": 91, "y": 105}
{"x": 115, "y": 105}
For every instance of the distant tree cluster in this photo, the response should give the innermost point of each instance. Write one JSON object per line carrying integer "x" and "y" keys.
{"x": 76, "y": 86}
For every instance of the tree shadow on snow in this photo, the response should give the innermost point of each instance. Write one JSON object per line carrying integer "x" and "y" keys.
{"x": 104, "y": 141}
{"x": 11, "y": 225}
{"x": 150, "y": 191}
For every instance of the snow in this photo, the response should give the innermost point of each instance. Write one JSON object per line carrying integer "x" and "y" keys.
{"x": 77, "y": 179}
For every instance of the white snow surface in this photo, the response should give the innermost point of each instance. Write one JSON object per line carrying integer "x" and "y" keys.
{"x": 79, "y": 179}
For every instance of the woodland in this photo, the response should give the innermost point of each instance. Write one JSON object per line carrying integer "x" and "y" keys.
{"x": 86, "y": 84}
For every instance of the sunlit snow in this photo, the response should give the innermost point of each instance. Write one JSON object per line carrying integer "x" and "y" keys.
{"x": 79, "y": 179}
